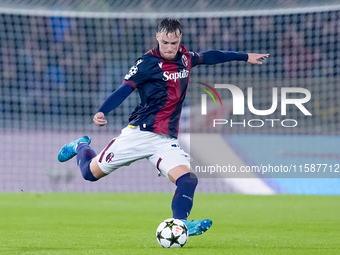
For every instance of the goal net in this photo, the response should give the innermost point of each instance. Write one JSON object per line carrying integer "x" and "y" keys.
{"x": 60, "y": 59}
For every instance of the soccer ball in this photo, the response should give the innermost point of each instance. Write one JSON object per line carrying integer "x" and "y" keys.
{"x": 172, "y": 233}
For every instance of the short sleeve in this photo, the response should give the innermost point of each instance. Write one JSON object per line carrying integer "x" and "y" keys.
{"x": 137, "y": 74}
{"x": 196, "y": 58}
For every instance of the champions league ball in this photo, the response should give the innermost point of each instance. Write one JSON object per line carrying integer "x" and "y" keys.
{"x": 172, "y": 233}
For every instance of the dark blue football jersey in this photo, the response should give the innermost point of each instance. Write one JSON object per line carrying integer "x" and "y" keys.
{"x": 162, "y": 86}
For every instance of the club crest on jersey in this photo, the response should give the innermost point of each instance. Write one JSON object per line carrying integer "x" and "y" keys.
{"x": 184, "y": 60}
{"x": 109, "y": 157}
{"x": 174, "y": 76}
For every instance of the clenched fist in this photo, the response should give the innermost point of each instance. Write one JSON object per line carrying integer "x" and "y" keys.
{"x": 99, "y": 119}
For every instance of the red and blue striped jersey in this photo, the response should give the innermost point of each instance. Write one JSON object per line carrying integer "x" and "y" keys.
{"x": 162, "y": 86}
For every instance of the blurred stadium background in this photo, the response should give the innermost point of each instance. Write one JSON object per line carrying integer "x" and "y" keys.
{"x": 60, "y": 59}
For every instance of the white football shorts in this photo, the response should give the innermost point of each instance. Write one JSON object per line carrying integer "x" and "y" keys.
{"x": 133, "y": 144}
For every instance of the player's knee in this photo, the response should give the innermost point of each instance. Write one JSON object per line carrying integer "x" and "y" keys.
{"x": 188, "y": 179}
{"x": 87, "y": 174}
{"x": 193, "y": 179}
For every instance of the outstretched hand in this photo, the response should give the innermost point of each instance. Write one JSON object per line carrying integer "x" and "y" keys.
{"x": 99, "y": 119}
{"x": 254, "y": 58}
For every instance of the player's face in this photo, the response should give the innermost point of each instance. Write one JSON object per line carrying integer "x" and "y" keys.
{"x": 168, "y": 44}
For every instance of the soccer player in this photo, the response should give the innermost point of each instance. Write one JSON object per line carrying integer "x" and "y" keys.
{"x": 161, "y": 77}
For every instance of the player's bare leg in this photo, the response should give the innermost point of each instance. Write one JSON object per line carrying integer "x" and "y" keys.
{"x": 95, "y": 169}
{"x": 177, "y": 172}
{"x": 182, "y": 202}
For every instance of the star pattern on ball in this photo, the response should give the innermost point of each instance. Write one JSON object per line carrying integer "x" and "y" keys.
{"x": 172, "y": 233}
{"x": 170, "y": 224}
{"x": 159, "y": 235}
{"x": 173, "y": 239}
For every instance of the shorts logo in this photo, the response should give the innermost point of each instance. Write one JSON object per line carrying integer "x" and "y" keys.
{"x": 109, "y": 157}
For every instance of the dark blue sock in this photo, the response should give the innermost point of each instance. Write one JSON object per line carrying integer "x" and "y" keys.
{"x": 183, "y": 199}
{"x": 84, "y": 156}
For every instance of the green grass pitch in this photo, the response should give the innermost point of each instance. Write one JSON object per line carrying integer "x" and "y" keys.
{"x": 126, "y": 224}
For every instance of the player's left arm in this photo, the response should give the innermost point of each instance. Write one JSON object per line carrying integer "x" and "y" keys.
{"x": 213, "y": 57}
{"x": 257, "y": 59}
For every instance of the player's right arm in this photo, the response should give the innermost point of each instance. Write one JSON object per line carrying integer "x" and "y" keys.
{"x": 137, "y": 74}
{"x": 111, "y": 103}
{"x": 99, "y": 119}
